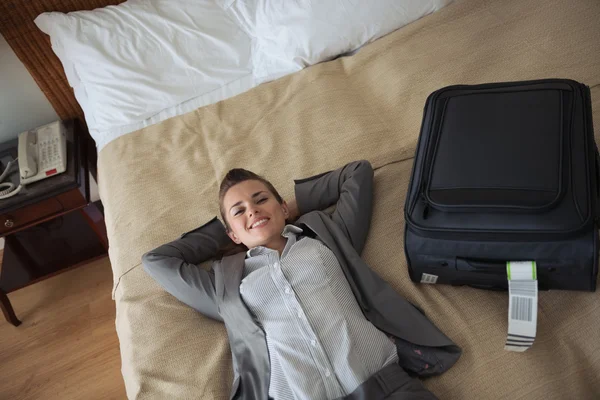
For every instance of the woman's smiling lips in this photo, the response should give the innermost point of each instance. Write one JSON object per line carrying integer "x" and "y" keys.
{"x": 259, "y": 223}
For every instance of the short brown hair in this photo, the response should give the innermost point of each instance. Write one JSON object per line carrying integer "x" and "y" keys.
{"x": 238, "y": 175}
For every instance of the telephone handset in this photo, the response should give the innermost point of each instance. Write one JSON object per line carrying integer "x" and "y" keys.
{"x": 42, "y": 153}
{"x": 27, "y": 154}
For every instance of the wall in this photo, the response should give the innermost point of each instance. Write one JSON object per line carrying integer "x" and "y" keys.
{"x": 22, "y": 104}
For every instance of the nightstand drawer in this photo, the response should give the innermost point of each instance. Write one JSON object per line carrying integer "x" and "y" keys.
{"x": 72, "y": 200}
{"x": 23, "y": 216}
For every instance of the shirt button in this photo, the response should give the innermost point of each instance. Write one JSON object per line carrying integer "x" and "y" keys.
{"x": 300, "y": 314}
{"x": 327, "y": 373}
{"x": 287, "y": 290}
{"x": 313, "y": 343}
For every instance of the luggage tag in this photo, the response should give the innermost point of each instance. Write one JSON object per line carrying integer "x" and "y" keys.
{"x": 428, "y": 278}
{"x": 522, "y": 305}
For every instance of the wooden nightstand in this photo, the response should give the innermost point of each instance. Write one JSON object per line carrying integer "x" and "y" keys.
{"x": 38, "y": 219}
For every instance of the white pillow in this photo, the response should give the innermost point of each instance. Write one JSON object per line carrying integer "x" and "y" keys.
{"x": 291, "y": 35}
{"x": 126, "y": 63}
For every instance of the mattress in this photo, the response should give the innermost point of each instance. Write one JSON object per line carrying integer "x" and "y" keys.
{"x": 162, "y": 180}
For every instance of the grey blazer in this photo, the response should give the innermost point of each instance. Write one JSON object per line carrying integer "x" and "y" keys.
{"x": 423, "y": 350}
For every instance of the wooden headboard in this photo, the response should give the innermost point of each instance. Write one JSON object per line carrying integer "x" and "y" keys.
{"x": 33, "y": 48}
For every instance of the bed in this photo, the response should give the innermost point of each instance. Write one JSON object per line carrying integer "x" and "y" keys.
{"x": 162, "y": 180}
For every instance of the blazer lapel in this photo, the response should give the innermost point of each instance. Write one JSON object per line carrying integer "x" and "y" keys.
{"x": 232, "y": 267}
{"x": 231, "y": 303}
{"x": 247, "y": 340}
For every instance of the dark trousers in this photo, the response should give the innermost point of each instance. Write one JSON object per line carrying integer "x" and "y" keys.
{"x": 392, "y": 383}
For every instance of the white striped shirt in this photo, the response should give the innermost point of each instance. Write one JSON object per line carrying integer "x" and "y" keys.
{"x": 320, "y": 344}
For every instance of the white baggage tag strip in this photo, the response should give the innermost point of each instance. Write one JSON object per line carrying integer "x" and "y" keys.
{"x": 522, "y": 305}
{"x": 428, "y": 278}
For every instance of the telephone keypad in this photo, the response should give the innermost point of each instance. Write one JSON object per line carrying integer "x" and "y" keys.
{"x": 49, "y": 153}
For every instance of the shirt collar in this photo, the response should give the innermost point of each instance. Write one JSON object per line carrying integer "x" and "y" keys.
{"x": 289, "y": 232}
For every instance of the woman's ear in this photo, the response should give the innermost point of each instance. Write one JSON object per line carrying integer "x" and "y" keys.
{"x": 285, "y": 209}
{"x": 233, "y": 237}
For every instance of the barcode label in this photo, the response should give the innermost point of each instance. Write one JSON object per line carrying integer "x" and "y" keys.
{"x": 522, "y": 305}
{"x": 521, "y": 308}
{"x": 427, "y": 278}
{"x": 523, "y": 288}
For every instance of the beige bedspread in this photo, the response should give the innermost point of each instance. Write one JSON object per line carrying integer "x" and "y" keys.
{"x": 161, "y": 181}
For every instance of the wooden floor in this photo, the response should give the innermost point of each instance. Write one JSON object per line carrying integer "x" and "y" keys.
{"x": 66, "y": 347}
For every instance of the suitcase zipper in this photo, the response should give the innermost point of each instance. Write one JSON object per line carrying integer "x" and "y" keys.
{"x": 425, "y": 206}
{"x": 507, "y": 235}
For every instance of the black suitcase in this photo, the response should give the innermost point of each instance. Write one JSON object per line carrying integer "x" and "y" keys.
{"x": 505, "y": 172}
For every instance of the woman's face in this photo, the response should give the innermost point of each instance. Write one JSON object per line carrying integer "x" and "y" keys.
{"x": 255, "y": 217}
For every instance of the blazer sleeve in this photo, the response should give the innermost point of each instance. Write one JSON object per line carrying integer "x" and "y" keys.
{"x": 175, "y": 267}
{"x": 350, "y": 188}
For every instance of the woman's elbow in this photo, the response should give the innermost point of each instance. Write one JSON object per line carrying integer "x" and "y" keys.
{"x": 364, "y": 166}
{"x": 151, "y": 261}
{"x": 364, "y": 170}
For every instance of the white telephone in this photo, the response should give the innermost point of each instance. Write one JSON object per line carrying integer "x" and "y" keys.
{"x": 42, "y": 153}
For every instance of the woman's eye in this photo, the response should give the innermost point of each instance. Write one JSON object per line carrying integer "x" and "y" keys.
{"x": 236, "y": 213}
{"x": 262, "y": 200}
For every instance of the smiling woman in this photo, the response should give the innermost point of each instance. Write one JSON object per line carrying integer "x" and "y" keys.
{"x": 300, "y": 306}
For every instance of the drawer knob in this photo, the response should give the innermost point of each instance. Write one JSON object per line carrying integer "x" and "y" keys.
{"x": 9, "y": 223}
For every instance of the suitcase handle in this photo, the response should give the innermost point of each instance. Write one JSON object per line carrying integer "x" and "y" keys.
{"x": 485, "y": 267}
{"x": 488, "y": 287}
{"x": 482, "y": 266}
{"x": 597, "y": 173}
{"x": 597, "y": 158}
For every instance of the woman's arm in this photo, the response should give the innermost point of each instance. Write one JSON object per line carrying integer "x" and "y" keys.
{"x": 175, "y": 267}
{"x": 350, "y": 188}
